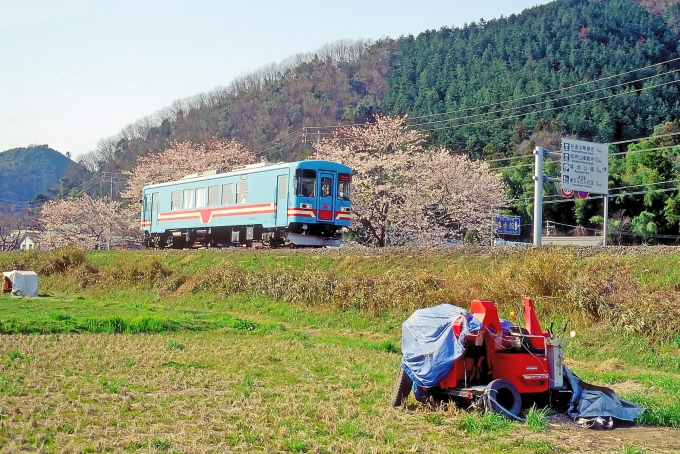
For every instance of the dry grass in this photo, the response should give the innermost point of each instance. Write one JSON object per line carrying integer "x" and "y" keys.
{"x": 225, "y": 392}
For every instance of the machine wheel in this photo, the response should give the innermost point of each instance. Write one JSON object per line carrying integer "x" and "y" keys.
{"x": 502, "y": 397}
{"x": 402, "y": 388}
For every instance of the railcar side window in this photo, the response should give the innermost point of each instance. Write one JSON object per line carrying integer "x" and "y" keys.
{"x": 326, "y": 184}
{"x": 305, "y": 182}
{"x": 228, "y": 194}
{"x": 200, "y": 197}
{"x": 344, "y": 181}
{"x": 175, "y": 200}
{"x": 242, "y": 192}
{"x": 186, "y": 198}
{"x": 283, "y": 186}
{"x": 154, "y": 203}
{"x": 213, "y": 194}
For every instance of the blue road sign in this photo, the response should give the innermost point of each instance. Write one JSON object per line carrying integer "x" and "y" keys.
{"x": 507, "y": 225}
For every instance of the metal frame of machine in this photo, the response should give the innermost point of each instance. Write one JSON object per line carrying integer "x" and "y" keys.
{"x": 499, "y": 368}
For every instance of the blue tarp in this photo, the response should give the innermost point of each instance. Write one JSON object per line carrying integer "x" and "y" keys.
{"x": 429, "y": 347}
{"x": 591, "y": 402}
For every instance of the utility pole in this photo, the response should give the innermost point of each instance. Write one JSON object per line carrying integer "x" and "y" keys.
{"x": 605, "y": 226}
{"x": 540, "y": 153}
{"x": 111, "y": 176}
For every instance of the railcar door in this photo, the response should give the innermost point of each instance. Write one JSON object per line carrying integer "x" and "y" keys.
{"x": 282, "y": 201}
{"x": 326, "y": 199}
{"x": 146, "y": 212}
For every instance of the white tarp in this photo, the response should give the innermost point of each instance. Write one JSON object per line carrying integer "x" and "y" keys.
{"x": 24, "y": 283}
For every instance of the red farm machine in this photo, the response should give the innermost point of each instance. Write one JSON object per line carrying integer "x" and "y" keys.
{"x": 479, "y": 360}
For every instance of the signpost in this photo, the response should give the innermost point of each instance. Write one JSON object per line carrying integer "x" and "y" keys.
{"x": 585, "y": 169}
{"x": 507, "y": 225}
{"x": 585, "y": 166}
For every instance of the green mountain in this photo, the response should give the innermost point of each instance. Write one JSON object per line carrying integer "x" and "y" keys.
{"x": 28, "y": 172}
{"x": 487, "y": 86}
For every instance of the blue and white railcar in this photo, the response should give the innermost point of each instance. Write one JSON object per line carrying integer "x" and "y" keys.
{"x": 303, "y": 203}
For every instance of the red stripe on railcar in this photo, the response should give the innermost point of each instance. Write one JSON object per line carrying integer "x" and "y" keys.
{"x": 301, "y": 213}
{"x": 206, "y": 215}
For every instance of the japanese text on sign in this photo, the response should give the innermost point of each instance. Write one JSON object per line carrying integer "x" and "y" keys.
{"x": 585, "y": 166}
{"x": 507, "y": 225}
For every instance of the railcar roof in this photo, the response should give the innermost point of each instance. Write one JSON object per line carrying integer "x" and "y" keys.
{"x": 246, "y": 170}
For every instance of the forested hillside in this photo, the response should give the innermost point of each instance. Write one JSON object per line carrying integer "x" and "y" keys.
{"x": 493, "y": 82}
{"x": 512, "y": 69}
{"x": 28, "y": 172}
{"x": 604, "y": 71}
{"x": 266, "y": 110}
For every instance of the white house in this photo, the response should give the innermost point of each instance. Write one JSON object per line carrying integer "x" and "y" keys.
{"x": 30, "y": 240}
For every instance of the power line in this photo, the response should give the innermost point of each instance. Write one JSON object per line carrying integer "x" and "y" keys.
{"x": 540, "y": 94}
{"x": 537, "y": 103}
{"x": 508, "y": 117}
{"x": 297, "y": 131}
{"x": 654, "y": 235}
{"x": 612, "y": 189}
{"x": 546, "y": 110}
{"x": 555, "y": 108}
{"x": 287, "y": 141}
{"x": 556, "y": 90}
{"x": 511, "y": 158}
{"x": 645, "y": 150}
{"x": 645, "y": 138}
{"x": 526, "y": 202}
{"x": 319, "y": 129}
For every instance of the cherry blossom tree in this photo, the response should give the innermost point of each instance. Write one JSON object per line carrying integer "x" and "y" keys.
{"x": 459, "y": 194}
{"x": 406, "y": 193}
{"x": 184, "y": 158}
{"x": 88, "y": 222}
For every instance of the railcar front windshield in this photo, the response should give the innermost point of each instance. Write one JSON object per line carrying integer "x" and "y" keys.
{"x": 305, "y": 182}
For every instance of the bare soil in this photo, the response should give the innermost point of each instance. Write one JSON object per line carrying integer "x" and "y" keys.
{"x": 581, "y": 439}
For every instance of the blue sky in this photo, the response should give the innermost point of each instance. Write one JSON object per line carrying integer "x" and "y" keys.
{"x": 75, "y": 71}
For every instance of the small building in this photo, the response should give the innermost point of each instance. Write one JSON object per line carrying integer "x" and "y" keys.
{"x": 30, "y": 240}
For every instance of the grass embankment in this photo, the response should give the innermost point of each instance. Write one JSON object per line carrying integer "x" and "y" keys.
{"x": 296, "y": 351}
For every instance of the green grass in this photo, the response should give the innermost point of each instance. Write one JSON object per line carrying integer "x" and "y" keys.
{"x": 233, "y": 390}
{"x": 45, "y": 315}
{"x": 599, "y": 345}
{"x": 537, "y": 418}
{"x": 232, "y": 351}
